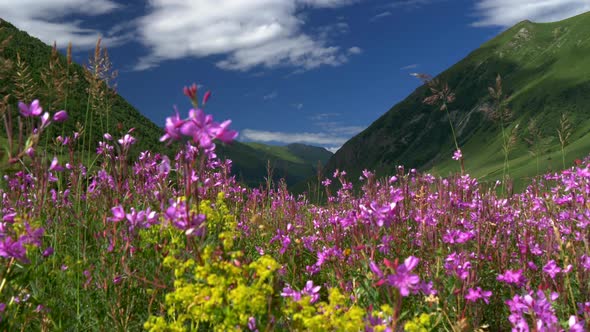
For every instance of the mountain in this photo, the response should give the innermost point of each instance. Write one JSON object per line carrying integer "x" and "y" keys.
{"x": 36, "y": 55}
{"x": 545, "y": 73}
{"x": 295, "y": 162}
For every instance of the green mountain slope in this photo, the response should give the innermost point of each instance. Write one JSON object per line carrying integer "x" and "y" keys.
{"x": 545, "y": 71}
{"x": 36, "y": 55}
{"x": 295, "y": 162}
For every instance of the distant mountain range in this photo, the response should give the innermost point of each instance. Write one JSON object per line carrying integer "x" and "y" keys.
{"x": 545, "y": 71}
{"x": 294, "y": 163}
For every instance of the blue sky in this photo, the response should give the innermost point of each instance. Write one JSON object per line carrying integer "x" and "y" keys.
{"x": 311, "y": 71}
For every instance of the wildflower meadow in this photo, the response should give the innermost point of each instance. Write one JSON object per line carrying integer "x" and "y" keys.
{"x": 99, "y": 238}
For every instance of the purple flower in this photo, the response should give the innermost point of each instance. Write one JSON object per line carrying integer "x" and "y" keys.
{"x": 512, "y": 277}
{"x": 45, "y": 120}
{"x": 375, "y": 269}
{"x": 290, "y": 292}
{"x": 127, "y": 141}
{"x": 172, "y": 128}
{"x": 402, "y": 279}
{"x": 252, "y": 324}
{"x": 118, "y": 213}
{"x": 575, "y": 325}
{"x": 55, "y": 166}
{"x": 60, "y": 116}
{"x": 206, "y": 97}
{"x": 10, "y": 248}
{"x": 551, "y": 269}
{"x": 48, "y": 252}
{"x": 224, "y": 134}
{"x": 533, "y": 303}
{"x": 312, "y": 291}
{"x": 33, "y": 110}
{"x": 473, "y": 294}
{"x": 457, "y": 155}
{"x": 586, "y": 262}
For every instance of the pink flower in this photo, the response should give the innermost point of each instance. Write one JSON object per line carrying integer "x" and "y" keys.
{"x": 118, "y": 213}
{"x": 457, "y": 155}
{"x": 402, "y": 279}
{"x": 45, "y": 120}
{"x": 473, "y": 294}
{"x": 127, "y": 141}
{"x": 33, "y": 110}
{"x": 206, "y": 97}
{"x": 55, "y": 166}
{"x": 191, "y": 91}
{"x": 551, "y": 269}
{"x": 172, "y": 128}
{"x": 512, "y": 277}
{"x": 60, "y": 116}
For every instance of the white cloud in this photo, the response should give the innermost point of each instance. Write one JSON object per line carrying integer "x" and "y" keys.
{"x": 331, "y": 134}
{"x": 327, "y": 3}
{"x": 505, "y": 13}
{"x": 355, "y": 50}
{"x": 333, "y": 149}
{"x": 41, "y": 19}
{"x": 412, "y": 66}
{"x": 326, "y": 32}
{"x": 380, "y": 16}
{"x": 323, "y": 116}
{"x": 285, "y": 137}
{"x": 337, "y": 128}
{"x": 297, "y": 105}
{"x": 270, "y": 96}
{"x": 247, "y": 34}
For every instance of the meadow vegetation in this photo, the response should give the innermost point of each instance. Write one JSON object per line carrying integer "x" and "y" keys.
{"x": 96, "y": 235}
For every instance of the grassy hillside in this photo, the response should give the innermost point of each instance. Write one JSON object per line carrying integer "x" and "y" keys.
{"x": 111, "y": 113}
{"x": 35, "y": 58}
{"x": 545, "y": 72}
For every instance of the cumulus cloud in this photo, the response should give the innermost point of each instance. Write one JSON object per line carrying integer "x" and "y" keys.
{"x": 246, "y": 34}
{"x": 506, "y": 13}
{"x": 355, "y": 50}
{"x": 41, "y": 19}
{"x": 331, "y": 134}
